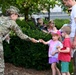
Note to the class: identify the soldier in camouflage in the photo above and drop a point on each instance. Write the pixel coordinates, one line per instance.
(6, 25)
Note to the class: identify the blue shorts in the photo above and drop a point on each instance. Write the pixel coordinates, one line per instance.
(64, 66)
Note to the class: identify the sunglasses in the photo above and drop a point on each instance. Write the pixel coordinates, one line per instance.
(62, 32)
(52, 23)
(69, 10)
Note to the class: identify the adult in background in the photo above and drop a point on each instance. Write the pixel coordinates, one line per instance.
(6, 25)
(41, 26)
(72, 4)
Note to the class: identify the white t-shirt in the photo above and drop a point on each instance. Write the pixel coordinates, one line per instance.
(73, 24)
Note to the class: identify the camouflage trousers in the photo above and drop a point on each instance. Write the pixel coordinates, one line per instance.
(74, 59)
(1, 58)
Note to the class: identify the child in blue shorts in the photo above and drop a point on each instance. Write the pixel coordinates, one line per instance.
(65, 53)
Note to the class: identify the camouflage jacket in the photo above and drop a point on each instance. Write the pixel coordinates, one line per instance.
(6, 25)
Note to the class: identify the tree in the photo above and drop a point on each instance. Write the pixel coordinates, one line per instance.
(50, 4)
(29, 7)
(6, 3)
(33, 6)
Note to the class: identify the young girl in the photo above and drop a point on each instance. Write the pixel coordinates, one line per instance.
(54, 43)
(51, 27)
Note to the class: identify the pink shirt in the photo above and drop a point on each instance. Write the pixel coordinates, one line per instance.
(53, 47)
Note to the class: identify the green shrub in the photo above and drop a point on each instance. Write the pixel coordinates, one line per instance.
(59, 22)
(25, 53)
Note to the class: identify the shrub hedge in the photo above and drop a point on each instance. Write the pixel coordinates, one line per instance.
(28, 54)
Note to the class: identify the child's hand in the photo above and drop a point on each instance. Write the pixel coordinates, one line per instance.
(53, 53)
(58, 47)
(41, 40)
(59, 50)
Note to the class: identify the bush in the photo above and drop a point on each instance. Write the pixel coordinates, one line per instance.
(28, 54)
(59, 22)
(24, 53)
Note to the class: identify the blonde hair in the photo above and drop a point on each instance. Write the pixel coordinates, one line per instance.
(50, 22)
(66, 29)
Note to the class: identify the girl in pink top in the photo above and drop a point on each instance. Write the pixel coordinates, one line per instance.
(53, 44)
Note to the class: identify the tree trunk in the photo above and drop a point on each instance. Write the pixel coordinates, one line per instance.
(26, 14)
(49, 12)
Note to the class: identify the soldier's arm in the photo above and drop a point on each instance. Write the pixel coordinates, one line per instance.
(19, 32)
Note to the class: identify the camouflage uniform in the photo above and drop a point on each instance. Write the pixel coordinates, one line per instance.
(5, 27)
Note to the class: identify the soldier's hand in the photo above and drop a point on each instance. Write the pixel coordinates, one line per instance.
(34, 40)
